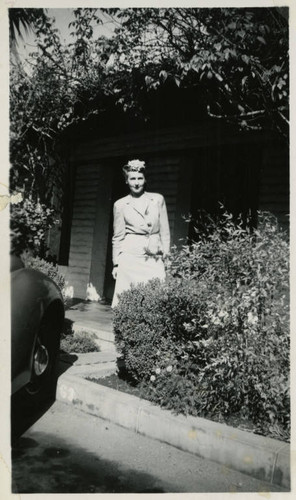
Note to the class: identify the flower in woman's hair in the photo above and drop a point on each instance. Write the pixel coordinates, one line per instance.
(169, 368)
(152, 378)
(136, 165)
(157, 371)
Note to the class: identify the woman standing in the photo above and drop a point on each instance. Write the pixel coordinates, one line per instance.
(141, 235)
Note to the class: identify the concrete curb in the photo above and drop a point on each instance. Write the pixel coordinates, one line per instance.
(263, 458)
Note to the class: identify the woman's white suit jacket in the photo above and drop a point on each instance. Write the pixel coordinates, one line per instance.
(135, 230)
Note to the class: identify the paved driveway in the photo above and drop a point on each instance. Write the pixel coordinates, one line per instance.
(68, 451)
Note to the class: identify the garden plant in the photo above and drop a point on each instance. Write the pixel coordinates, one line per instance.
(82, 341)
(213, 339)
(30, 221)
(49, 268)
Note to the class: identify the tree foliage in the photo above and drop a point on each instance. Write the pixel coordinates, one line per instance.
(22, 19)
(236, 59)
(51, 90)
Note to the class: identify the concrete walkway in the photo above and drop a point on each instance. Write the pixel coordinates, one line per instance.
(260, 457)
(96, 318)
(92, 315)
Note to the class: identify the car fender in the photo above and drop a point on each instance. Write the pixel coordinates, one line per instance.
(32, 293)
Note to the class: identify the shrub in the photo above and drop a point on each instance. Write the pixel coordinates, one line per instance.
(213, 340)
(79, 342)
(47, 268)
(29, 222)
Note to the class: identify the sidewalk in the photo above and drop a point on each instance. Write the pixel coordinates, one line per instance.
(263, 458)
(96, 318)
(92, 315)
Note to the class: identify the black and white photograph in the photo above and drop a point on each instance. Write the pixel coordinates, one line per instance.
(147, 200)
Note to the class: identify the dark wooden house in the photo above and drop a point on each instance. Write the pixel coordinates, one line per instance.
(194, 161)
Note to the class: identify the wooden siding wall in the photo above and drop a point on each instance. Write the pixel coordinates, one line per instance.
(163, 177)
(172, 177)
(82, 231)
(156, 141)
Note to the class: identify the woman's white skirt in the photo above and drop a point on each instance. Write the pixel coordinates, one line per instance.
(134, 269)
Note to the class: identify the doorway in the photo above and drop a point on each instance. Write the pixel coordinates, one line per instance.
(119, 189)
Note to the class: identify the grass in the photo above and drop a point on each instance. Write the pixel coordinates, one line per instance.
(120, 381)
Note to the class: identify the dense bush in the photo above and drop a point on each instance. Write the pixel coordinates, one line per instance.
(213, 340)
(47, 268)
(30, 221)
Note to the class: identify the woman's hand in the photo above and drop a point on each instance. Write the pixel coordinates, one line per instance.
(114, 272)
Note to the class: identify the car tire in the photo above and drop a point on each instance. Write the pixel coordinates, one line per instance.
(45, 360)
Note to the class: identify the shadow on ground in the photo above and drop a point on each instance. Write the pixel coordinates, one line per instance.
(50, 465)
(24, 413)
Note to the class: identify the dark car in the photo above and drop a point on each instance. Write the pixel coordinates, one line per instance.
(37, 317)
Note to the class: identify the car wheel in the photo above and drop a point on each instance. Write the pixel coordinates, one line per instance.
(44, 361)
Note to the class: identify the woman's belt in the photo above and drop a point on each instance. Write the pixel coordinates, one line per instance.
(142, 244)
